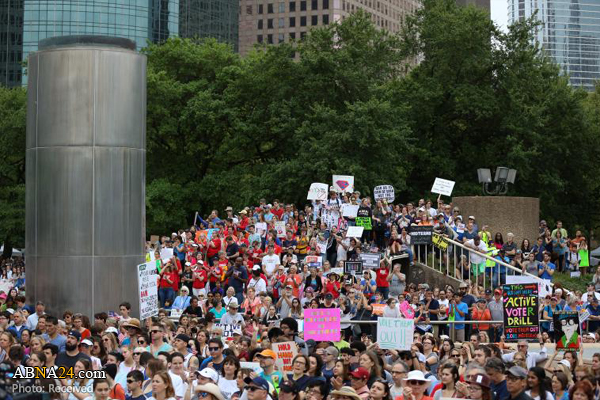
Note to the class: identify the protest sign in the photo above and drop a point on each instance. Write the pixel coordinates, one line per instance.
(442, 186)
(336, 270)
(420, 234)
(543, 285)
(261, 228)
(166, 253)
(313, 261)
(353, 267)
(229, 329)
(395, 333)
(343, 183)
(349, 210)
(584, 315)
(378, 309)
(148, 289)
(317, 191)
(355, 231)
(365, 222)
(254, 366)
(567, 331)
(285, 351)
(370, 260)
(330, 218)
(322, 324)
(322, 245)
(439, 241)
(280, 228)
(521, 316)
(154, 239)
(384, 192)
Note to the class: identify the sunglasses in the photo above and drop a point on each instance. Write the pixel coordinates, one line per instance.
(137, 354)
(214, 348)
(252, 388)
(155, 331)
(418, 383)
(130, 381)
(203, 394)
(140, 342)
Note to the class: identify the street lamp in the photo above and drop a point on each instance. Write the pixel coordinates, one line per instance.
(502, 178)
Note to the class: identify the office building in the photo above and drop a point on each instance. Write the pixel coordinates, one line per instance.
(210, 19)
(570, 35)
(11, 42)
(277, 21)
(485, 4)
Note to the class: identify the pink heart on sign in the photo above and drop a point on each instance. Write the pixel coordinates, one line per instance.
(342, 184)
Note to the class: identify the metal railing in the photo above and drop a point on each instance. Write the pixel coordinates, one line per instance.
(447, 262)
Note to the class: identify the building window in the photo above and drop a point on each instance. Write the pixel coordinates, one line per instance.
(325, 4)
(281, 38)
(292, 35)
(314, 20)
(260, 8)
(314, 4)
(292, 6)
(281, 22)
(302, 35)
(259, 38)
(292, 22)
(270, 39)
(302, 21)
(303, 6)
(325, 19)
(249, 10)
(270, 23)
(270, 8)
(260, 24)
(281, 7)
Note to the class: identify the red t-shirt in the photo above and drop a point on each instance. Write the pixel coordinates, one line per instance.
(213, 251)
(278, 211)
(200, 284)
(382, 274)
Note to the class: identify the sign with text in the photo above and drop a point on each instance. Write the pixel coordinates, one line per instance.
(443, 186)
(543, 285)
(280, 228)
(420, 234)
(378, 309)
(261, 228)
(355, 231)
(439, 241)
(229, 329)
(313, 261)
(521, 316)
(148, 289)
(395, 333)
(384, 192)
(350, 210)
(365, 222)
(286, 351)
(322, 324)
(370, 260)
(343, 183)
(567, 331)
(317, 191)
(353, 267)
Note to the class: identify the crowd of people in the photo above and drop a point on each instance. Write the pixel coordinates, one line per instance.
(243, 270)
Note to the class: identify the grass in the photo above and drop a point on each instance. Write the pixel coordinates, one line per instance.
(573, 284)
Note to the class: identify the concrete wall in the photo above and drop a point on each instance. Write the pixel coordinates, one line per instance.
(519, 215)
(421, 274)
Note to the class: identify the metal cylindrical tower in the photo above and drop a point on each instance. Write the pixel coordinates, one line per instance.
(85, 198)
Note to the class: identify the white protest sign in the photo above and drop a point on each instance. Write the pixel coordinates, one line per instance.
(322, 246)
(350, 210)
(384, 192)
(280, 228)
(317, 191)
(176, 313)
(261, 228)
(343, 183)
(395, 333)
(254, 366)
(286, 351)
(442, 186)
(584, 316)
(166, 253)
(355, 231)
(543, 285)
(229, 329)
(330, 218)
(148, 289)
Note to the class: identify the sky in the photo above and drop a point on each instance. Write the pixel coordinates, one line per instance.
(499, 11)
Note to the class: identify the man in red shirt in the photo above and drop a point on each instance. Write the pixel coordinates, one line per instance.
(213, 248)
(277, 209)
(383, 286)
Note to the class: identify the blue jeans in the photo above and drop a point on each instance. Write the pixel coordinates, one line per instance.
(495, 279)
(165, 294)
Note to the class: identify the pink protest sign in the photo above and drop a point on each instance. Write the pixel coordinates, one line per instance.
(322, 324)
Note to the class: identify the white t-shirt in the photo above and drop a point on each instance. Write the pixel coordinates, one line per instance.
(270, 263)
(477, 258)
(178, 384)
(445, 303)
(258, 284)
(227, 387)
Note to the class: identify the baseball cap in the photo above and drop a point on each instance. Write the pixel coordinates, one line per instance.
(488, 291)
(498, 291)
(75, 334)
(258, 381)
(268, 353)
(210, 374)
(360, 373)
(463, 285)
(332, 351)
(481, 380)
(517, 372)
(329, 296)
(112, 329)
(87, 342)
(183, 337)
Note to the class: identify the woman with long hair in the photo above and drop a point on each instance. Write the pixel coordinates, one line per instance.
(228, 380)
(537, 386)
(369, 361)
(6, 342)
(340, 375)
(582, 391)
(98, 349)
(445, 350)
(80, 387)
(449, 376)
(380, 390)
(79, 324)
(480, 388)
(101, 390)
(162, 387)
(202, 347)
(560, 386)
(296, 311)
(596, 364)
(110, 343)
(315, 365)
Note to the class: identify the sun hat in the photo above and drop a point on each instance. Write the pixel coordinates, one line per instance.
(416, 376)
(133, 323)
(346, 391)
(210, 374)
(211, 388)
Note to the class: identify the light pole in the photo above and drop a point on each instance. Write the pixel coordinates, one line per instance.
(499, 186)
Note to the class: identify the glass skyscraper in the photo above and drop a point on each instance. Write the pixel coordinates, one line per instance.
(11, 42)
(570, 35)
(217, 19)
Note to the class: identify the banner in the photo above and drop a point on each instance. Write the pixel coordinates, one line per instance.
(439, 241)
(420, 234)
(261, 228)
(349, 210)
(384, 192)
(313, 261)
(567, 330)
(395, 333)
(343, 183)
(544, 287)
(148, 289)
(280, 228)
(355, 231)
(370, 260)
(229, 329)
(521, 314)
(322, 324)
(365, 222)
(286, 351)
(353, 267)
(442, 186)
(317, 191)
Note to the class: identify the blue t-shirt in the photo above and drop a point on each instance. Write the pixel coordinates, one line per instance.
(464, 308)
(179, 252)
(545, 274)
